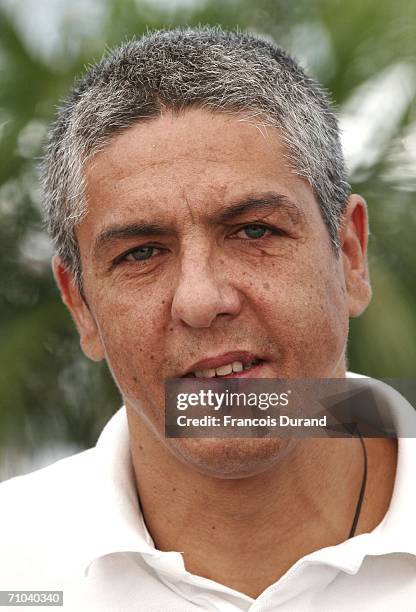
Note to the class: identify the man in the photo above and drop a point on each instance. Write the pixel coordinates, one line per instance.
(197, 198)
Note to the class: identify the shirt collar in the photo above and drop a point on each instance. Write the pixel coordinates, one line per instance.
(115, 522)
(114, 519)
(395, 533)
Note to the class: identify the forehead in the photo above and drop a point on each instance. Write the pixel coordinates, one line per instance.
(189, 164)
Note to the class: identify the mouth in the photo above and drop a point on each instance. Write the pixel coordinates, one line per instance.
(234, 364)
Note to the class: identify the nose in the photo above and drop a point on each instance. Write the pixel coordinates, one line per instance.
(203, 292)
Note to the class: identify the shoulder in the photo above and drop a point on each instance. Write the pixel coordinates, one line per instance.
(54, 489)
(40, 515)
(59, 477)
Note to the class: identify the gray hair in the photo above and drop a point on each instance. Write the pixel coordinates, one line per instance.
(225, 72)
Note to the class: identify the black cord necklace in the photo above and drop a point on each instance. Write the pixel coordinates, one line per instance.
(362, 490)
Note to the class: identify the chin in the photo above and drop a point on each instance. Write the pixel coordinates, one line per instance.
(230, 458)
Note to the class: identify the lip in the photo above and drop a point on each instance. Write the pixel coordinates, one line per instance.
(219, 360)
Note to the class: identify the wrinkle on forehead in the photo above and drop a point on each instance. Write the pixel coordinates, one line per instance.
(167, 135)
(120, 171)
(188, 205)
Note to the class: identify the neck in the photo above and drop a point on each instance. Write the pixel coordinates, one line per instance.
(225, 527)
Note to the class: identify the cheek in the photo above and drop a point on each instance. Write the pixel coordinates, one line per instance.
(304, 308)
(131, 343)
(132, 330)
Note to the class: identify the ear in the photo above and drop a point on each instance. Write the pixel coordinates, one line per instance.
(90, 339)
(353, 241)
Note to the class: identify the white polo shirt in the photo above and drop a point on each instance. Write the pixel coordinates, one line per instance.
(76, 526)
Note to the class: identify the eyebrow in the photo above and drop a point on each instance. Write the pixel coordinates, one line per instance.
(269, 201)
(272, 202)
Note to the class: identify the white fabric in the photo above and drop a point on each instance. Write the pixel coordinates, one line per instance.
(76, 526)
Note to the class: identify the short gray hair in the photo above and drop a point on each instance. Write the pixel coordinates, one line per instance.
(225, 72)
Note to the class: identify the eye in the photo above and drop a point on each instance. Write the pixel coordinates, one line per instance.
(142, 253)
(255, 231)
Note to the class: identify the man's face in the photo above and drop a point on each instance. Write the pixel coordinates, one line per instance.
(199, 241)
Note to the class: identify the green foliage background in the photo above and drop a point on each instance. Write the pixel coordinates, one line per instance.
(49, 392)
